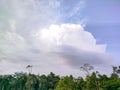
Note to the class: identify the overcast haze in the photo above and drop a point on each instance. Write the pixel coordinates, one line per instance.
(56, 36)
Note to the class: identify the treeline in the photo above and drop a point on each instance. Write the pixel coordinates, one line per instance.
(94, 81)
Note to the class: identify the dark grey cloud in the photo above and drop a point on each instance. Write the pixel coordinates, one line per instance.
(76, 58)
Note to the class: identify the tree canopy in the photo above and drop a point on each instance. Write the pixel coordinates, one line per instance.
(93, 81)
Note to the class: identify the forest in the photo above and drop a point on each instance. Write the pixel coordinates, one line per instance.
(92, 81)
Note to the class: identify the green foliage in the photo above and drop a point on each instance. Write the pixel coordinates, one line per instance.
(114, 76)
(52, 81)
(67, 83)
(113, 83)
(102, 79)
(32, 82)
(95, 81)
(43, 83)
(80, 84)
(92, 82)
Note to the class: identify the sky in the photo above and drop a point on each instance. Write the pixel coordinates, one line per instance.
(59, 35)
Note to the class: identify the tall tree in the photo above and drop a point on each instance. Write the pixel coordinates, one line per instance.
(19, 80)
(116, 69)
(86, 68)
(43, 83)
(29, 67)
(32, 82)
(102, 80)
(52, 80)
(80, 84)
(67, 83)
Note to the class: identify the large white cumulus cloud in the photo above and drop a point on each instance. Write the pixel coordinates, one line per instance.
(72, 43)
(31, 33)
(72, 35)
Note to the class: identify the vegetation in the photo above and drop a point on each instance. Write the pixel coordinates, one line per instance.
(93, 81)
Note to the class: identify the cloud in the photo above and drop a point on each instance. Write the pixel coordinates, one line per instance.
(77, 8)
(74, 11)
(69, 35)
(71, 42)
(31, 33)
(64, 46)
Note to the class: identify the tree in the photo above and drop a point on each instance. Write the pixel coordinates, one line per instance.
(80, 83)
(87, 68)
(92, 82)
(116, 69)
(114, 76)
(67, 83)
(43, 83)
(19, 80)
(29, 67)
(102, 79)
(5, 82)
(52, 80)
(32, 82)
(112, 85)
